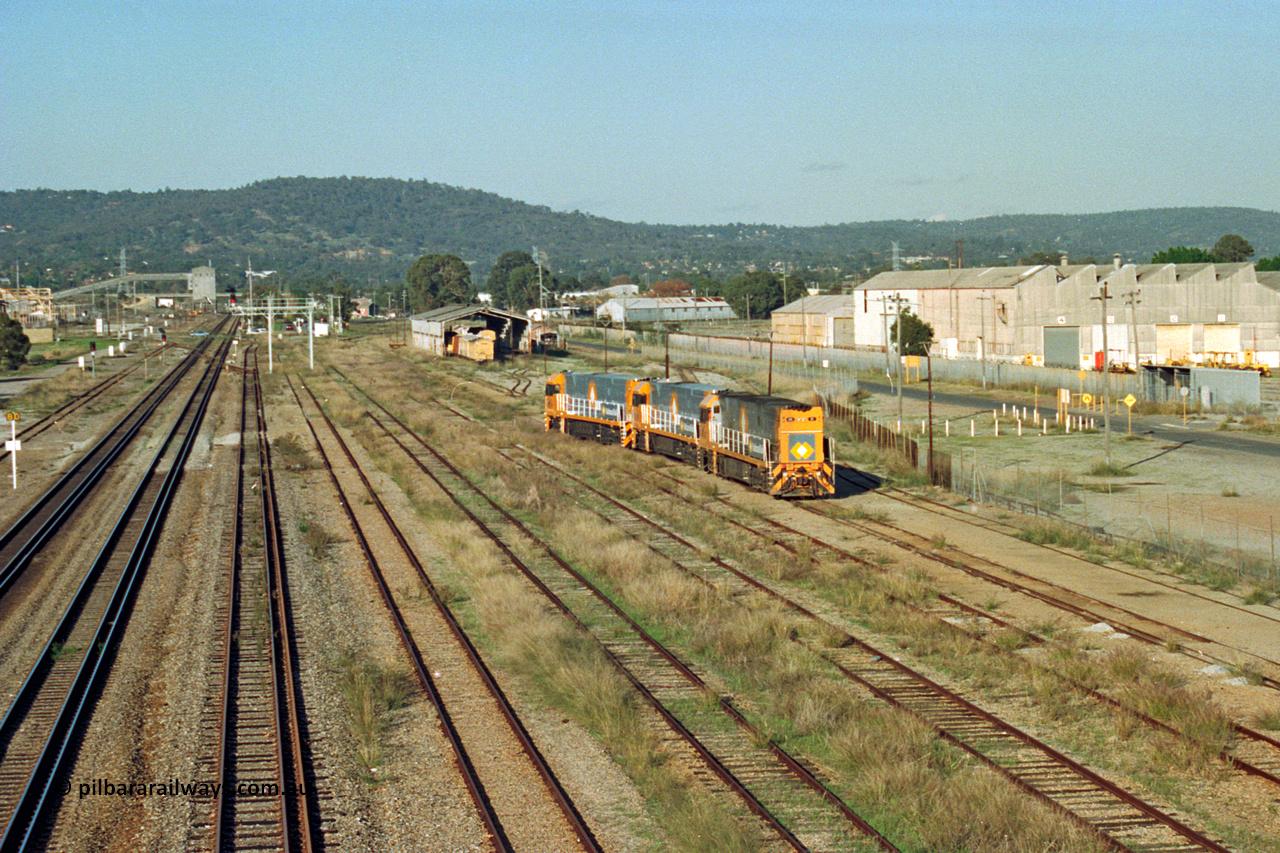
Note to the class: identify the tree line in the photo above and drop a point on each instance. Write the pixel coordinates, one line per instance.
(517, 282)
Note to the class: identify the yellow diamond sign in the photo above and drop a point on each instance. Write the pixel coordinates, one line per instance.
(1129, 400)
(802, 450)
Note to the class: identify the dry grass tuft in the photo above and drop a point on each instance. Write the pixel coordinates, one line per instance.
(291, 453)
(370, 695)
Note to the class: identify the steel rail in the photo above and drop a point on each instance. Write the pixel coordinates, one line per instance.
(1151, 812)
(87, 582)
(228, 633)
(924, 503)
(1240, 729)
(41, 792)
(66, 494)
(290, 778)
(296, 781)
(563, 802)
(47, 422)
(462, 759)
(712, 762)
(792, 765)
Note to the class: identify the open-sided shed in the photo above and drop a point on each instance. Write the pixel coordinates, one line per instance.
(435, 330)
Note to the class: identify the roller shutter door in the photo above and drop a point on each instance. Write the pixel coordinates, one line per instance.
(1062, 346)
(842, 332)
(1173, 342)
(1222, 337)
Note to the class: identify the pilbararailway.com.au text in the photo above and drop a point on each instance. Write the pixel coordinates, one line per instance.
(171, 788)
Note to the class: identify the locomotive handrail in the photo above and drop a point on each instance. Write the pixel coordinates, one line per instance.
(584, 408)
(669, 421)
(744, 444)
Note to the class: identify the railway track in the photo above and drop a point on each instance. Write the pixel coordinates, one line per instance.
(79, 401)
(1125, 821)
(39, 733)
(786, 794)
(1254, 753)
(462, 690)
(253, 741)
(1138, 625)
(44, 518)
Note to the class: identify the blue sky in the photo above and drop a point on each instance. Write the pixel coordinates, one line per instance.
(660, 110)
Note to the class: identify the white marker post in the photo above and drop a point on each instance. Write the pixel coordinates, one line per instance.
(13, 445)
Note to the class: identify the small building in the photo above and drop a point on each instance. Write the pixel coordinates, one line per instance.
(435, 330)
(665, 309)
(823, 320)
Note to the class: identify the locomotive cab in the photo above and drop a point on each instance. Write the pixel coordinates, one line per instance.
(771, 443)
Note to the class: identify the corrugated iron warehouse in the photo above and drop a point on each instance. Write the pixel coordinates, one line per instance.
(1052, 314)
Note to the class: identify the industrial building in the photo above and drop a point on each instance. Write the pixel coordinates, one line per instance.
(665, 309)
(1053, 315)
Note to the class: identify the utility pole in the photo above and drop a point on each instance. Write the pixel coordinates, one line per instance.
(929, 361)
(884, 312)
(804, 327)
(769, 391)
(900, 363)
(897, 300)
(1106, 371)
(982, 339)
(1132, 300)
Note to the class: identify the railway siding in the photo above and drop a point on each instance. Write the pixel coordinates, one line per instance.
(818, 818)
(1090, 798)
(464, 692)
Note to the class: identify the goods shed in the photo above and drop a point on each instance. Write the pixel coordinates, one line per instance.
(665, 309)
(444, 331)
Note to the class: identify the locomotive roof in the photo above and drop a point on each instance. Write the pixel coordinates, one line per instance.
(610, 375)
(765, 399)
(692, 386)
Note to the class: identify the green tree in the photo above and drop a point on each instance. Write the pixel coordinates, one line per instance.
(1268, 264)
(514, 281)
(436, 280)
(1232, 248)
(522, 287)
(14, 343)
(498, 284)
(763, 289)
(1182, 255)
(1048, 259)
(916, 334)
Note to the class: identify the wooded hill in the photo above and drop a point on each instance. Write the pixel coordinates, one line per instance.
(370, 230)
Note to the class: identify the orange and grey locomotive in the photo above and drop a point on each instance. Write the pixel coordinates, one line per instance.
(772, 444)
